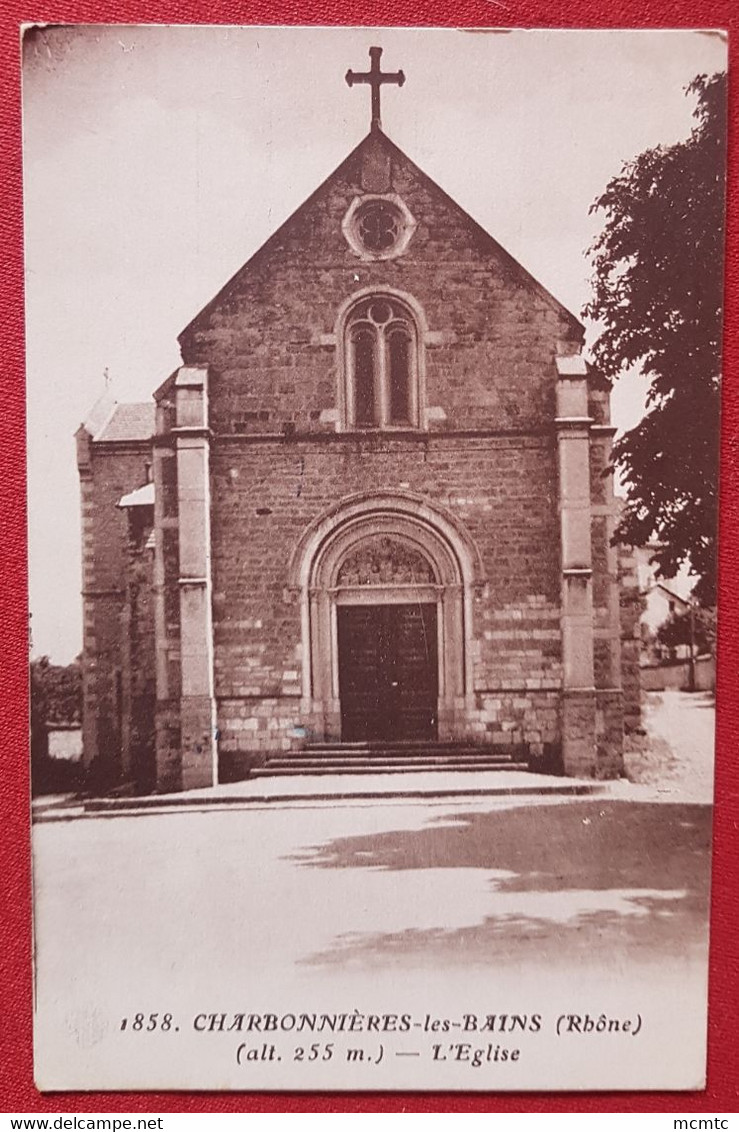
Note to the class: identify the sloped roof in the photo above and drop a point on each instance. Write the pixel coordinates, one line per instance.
(141, 497)
(130, 421)
(373, 137)
(671, 593)
(99, 413)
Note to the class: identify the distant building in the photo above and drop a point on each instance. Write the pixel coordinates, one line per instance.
(665, 665)
(661, 604)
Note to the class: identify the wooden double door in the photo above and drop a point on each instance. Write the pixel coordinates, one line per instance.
(388, 672)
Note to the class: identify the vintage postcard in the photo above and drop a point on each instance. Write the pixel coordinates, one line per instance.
(373, 399)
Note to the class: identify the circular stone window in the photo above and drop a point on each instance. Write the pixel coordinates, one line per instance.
(378, 227)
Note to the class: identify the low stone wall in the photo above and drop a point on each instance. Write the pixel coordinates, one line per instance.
(676, 675)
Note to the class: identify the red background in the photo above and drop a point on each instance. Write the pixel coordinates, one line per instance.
(17, 1091)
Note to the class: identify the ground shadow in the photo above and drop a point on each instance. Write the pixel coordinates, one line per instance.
(649, 863)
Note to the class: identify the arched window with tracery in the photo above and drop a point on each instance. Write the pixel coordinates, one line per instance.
(382, 362)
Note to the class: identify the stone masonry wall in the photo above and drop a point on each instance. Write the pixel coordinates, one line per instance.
(138, 657)
(631, 608)
(114, 469)
(501, 489)
(167, 605)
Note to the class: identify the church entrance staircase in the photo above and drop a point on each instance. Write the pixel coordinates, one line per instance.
(390, 758)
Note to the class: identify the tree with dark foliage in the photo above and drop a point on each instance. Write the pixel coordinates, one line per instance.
(56, 698)
(56, 690)
(39, 710)
(658, 298)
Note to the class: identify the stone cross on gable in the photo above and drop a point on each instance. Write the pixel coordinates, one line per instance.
(375, 79)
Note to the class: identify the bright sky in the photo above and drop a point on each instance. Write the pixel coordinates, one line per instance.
(157, 159)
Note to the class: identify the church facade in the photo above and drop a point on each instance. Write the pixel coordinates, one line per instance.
(370, 514)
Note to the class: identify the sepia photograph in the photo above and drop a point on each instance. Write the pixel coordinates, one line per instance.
(373, 430)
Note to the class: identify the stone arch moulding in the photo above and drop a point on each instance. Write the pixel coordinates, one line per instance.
(456, 569)
(423, 338)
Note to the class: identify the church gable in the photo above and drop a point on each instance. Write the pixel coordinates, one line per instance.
(471, 334)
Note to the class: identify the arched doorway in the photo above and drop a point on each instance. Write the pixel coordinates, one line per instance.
(387, 641)
(386, 585)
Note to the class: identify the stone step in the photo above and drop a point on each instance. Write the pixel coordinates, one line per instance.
(402, 744)
(390, 757)
(416, 750)
(378, 767)
(394, 753)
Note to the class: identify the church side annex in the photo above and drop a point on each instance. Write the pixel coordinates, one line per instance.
(367, 522)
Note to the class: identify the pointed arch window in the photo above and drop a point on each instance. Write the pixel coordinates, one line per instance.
(382, 360)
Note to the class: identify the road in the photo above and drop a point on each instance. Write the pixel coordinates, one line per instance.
(676, 755)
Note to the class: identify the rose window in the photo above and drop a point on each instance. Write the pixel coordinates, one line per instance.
(379, 225)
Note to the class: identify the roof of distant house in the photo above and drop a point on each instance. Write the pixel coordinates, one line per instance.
(132, 421)
(671, 593)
